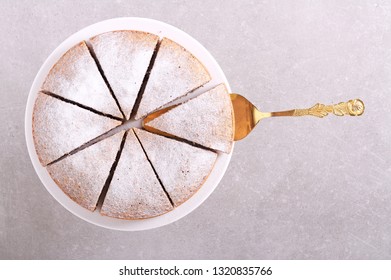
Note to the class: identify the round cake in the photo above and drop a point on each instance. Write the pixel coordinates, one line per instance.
(81, 123)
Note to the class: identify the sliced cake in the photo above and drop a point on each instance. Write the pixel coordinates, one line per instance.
(59, 127)
(82, 176)
(175, 73)
(206, 120)
(124, 57)
(135, 192)
(76, 77)
(181, 168)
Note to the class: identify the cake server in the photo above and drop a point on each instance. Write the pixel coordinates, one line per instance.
(247, 116)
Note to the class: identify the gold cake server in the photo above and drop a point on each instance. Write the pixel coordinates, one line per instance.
(247, 116)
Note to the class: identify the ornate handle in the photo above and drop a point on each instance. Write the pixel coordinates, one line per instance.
(353, 107)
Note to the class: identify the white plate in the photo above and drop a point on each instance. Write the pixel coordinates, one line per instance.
(158, 28)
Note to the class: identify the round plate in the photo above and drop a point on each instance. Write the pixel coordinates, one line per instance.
(163, 30)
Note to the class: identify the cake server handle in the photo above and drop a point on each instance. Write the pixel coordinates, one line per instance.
(353, 107)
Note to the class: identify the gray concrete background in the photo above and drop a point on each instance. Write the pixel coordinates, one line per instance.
(300, 188)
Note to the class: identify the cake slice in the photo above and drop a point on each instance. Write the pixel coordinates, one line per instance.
(76, 77)
(175, 73)
(181, 168)
(206, 120)
(82, 176)
(134, 192)
(124, 57)
(59, 127)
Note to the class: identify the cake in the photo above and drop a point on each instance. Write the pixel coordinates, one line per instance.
(175, 73)
(181, 168)
(206, 120)
(82, 119)
(83, 175)
(76, 77)
(135, 192)
(60, 127)
(124, 57)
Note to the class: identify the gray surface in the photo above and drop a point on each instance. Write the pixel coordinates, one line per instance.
(295, 189)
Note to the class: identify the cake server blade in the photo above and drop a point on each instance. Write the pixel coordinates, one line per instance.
(247, 116)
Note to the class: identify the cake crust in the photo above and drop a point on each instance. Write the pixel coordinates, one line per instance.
(175, 73)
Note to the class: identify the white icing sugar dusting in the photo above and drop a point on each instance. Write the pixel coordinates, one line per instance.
(82, 176)
(134, 192)
(76, 77)
(206, 120)
(175, 73)
(182, 168)
(124, 57)
(59, 127)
